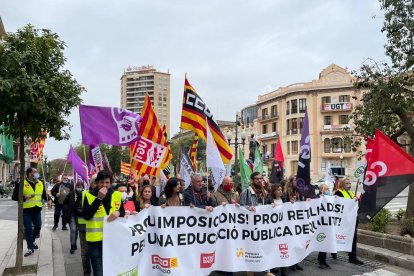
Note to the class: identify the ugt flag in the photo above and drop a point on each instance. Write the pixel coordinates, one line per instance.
(303, 180)
(389, 171)
(108, 125)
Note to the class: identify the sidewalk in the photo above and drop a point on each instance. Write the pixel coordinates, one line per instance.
(48, 259)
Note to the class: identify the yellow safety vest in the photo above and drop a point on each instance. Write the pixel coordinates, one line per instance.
(81, 220)
(36, 200)
(347, 194)
(94, 226)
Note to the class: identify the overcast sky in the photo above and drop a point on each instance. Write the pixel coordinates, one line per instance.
(232, 51)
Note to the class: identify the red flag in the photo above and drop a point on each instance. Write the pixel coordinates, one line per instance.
(389, 171)
(369, 146)
(279, 154)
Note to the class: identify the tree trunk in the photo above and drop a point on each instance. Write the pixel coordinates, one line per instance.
(409, 211)
(19, 246)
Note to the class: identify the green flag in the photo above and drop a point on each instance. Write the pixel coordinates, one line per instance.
(258, 161)
(245, 172)
(6, 147)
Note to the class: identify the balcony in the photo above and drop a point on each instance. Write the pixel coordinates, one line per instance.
(336, 107)
(269, 135)
(336, 128)
(268, 117)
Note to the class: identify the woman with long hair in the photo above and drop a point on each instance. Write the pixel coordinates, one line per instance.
(143, 199)
(172, 194)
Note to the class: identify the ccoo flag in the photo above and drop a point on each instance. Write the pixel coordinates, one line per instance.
(108, 125)
(193, 118)
(303, 180)
(389, 171)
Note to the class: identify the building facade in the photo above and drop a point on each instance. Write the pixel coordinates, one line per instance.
(136, 82)
(329, 102)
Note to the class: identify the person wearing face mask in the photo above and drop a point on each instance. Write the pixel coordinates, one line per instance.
(33, 193)
(225, 193)
(345, 192)
(69, 214)
(98, 203)
(60, 191)
(323, 191)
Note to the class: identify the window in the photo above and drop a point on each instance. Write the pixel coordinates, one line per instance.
(272, 149)
(264, 147)
(294, 167)
(288, 147)
(264, 113)
(302, 105)
(344, 98)
(343, 119)
(326, 100)
(347, 146)
(287, 108)
(294, 147)
(294, 106)
(327, 145)
(336, 145)
(294, 123)
(327, 120)
(301, 123)
(274, 127)
(274, 110)
(264, 128)
(287, 126)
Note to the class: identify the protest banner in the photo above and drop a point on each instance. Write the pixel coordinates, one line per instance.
(193, 241)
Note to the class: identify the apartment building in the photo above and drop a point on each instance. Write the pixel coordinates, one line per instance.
(136, 82)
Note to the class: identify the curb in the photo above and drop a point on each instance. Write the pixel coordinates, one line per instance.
(386, 256)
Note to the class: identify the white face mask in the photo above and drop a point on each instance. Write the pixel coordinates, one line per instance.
(124, 196)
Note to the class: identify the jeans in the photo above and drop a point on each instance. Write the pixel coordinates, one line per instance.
(32, 216)
(95, 254)
(73, 230)
(86, 263)
(58, 212)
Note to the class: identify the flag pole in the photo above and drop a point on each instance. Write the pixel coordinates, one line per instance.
(84, 153)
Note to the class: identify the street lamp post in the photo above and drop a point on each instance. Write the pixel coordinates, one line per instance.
(236, 144)
(341, 157)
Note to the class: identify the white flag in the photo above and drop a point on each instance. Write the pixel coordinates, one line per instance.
(329, 179)
(214, 161)
(186, 168)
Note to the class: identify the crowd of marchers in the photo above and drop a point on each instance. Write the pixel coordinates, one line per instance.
(84, 210)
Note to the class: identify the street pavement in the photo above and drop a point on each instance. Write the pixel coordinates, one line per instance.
(341, 266)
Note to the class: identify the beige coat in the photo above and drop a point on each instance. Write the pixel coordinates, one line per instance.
(223, 196)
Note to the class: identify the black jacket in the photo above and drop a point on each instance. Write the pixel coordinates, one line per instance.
(199, 200)
(90, 210)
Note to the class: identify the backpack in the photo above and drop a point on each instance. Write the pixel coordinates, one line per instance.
(15, 195)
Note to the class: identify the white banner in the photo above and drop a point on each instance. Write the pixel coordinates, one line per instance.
(193, 241)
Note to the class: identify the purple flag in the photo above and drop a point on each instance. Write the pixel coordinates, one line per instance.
(108, 125)
(303, 181)
(77, 164)
(92, 166)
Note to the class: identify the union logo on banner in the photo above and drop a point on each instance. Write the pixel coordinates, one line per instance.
(207, 259)
(149, 153)
(283, 248)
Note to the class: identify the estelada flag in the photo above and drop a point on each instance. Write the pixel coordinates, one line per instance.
(389, 171)
(193, 118)
(150, 153)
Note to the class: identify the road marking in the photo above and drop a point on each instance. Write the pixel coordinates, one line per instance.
(379, 272)
(7, 205)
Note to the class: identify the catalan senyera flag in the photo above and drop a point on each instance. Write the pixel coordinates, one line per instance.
(125, 168)
(150, 153)
(193, 117)
(192, 152)
(36, 148)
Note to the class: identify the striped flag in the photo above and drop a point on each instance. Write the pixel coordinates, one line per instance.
(150, 153)
(125, 168)
(193, 117)
(192, 152)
